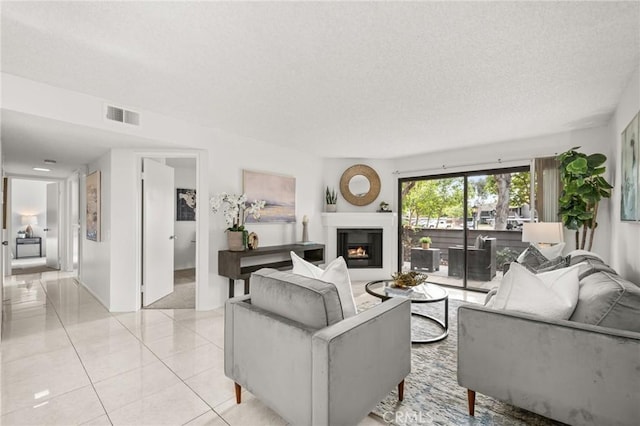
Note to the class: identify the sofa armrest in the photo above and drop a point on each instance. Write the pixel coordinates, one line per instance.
(572, 372)
(270, 356)
(358, 361)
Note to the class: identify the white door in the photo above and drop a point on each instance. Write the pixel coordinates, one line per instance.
(51, 235)
(157, 230)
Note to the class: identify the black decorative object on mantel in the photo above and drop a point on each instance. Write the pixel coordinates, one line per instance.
(384, 207)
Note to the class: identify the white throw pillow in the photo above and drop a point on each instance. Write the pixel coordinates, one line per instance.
(335, 273)
(551, 294)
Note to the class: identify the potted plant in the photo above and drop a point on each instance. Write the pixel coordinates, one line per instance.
(384, 207)
(583, 188)
(236, 211)
(425, 242)
(331, 197)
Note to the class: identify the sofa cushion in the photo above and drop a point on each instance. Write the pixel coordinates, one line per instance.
(335, 273)
(308, 301)
(551, 294)
(607, 300)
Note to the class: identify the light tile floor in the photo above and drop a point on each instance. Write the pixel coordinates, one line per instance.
(66, 360)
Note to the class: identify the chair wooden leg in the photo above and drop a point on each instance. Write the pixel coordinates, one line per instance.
(238, 392)
(401, 391)
(471, 396)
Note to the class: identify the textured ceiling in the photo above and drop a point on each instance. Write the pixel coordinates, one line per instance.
(28, 140)
(357, 79)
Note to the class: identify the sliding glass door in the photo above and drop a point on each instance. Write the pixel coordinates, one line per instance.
(472, 221)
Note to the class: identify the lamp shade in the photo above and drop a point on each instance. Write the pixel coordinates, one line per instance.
(29, 220)
(543, 232)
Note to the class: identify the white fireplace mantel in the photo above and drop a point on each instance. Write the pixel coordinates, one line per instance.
(331, 222)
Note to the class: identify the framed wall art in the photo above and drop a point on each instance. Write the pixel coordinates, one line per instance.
(630, 172)
(93, 206)
(185, 204)
(278, 192)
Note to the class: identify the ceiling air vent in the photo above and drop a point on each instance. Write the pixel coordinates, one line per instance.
(122, 115)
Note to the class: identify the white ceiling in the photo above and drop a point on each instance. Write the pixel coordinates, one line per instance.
(340, 79)
(28, 140)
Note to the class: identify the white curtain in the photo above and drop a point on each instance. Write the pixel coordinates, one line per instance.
(547, 188)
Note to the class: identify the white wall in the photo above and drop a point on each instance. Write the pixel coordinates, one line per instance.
(502, 154)
(518, 153)
(96, 256)
(111, 264)
(624, 236)
(185, 231)
(28, 198)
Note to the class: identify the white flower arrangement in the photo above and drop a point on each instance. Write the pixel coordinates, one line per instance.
(235, 209)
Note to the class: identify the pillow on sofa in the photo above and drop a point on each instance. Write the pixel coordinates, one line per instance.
(335, 273)
(531, 257)
(551, 265)
(549, 252)
(479, 244)
(608, 300)
(551, 294)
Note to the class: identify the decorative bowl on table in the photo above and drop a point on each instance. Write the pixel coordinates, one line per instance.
(408, 279)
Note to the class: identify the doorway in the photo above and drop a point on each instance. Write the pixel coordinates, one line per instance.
(33, 226)
(180, 230)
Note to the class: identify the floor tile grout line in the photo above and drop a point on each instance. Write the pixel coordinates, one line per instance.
(217, 414)
(48, 300)
(170, 369)
(77, 354)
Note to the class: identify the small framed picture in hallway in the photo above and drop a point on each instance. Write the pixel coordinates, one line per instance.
(186, 204)
(93, 206)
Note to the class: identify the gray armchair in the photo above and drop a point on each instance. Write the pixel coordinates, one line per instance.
(289, 344)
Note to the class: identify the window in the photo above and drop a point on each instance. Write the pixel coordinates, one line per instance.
(474, 221)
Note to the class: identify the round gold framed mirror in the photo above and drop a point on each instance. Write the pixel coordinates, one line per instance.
(360, 185)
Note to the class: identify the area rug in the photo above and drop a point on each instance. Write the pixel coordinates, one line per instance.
(31, 270)
(432, 395)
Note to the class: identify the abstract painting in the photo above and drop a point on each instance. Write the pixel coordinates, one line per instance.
(93, 206)
(278, 192)
(630, 172)
(186, 204)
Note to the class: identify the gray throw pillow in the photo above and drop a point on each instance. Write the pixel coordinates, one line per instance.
(532, 258)
(553, 264)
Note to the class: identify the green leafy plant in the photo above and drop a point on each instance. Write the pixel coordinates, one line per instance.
(331, 196)
(583, 188)
(506, 255)
(425, 240)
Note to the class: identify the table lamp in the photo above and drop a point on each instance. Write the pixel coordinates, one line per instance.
(543, 233)
(29, 220)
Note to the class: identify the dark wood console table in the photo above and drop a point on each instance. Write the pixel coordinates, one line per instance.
(230, 262)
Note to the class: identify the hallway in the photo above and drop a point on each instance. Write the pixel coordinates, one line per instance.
(67, 360)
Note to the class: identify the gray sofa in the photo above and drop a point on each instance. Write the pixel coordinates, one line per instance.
(290, 344)
(584, 371)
